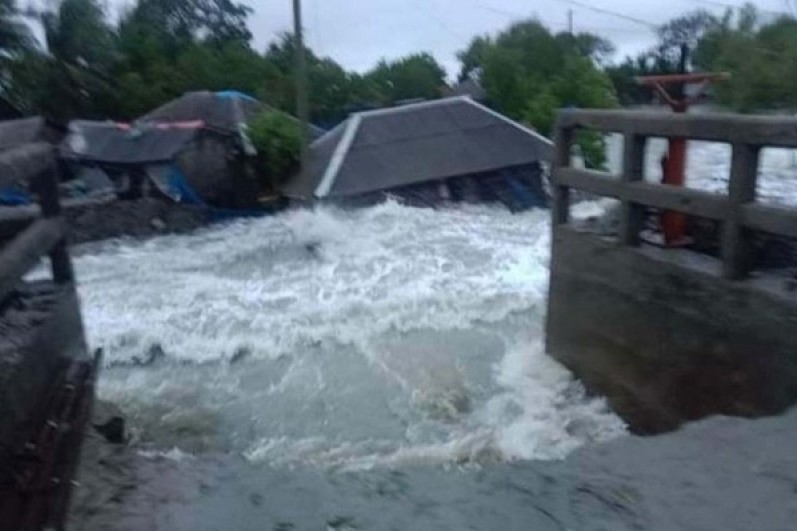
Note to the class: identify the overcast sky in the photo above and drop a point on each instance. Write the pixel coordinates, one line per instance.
(357, 33)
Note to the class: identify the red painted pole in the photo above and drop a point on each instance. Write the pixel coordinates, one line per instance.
(674, 223)
(674, 164)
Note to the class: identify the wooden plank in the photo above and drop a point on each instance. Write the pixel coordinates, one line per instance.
(61, 263)
(769, 218)
(632, 216)
(22, 164)
(775, 131)
(736, 245)
(25, 251)
(14, 220)
(594, 182)
(686, 200)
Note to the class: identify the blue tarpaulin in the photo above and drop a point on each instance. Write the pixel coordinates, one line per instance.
(182, 192)
(234, 95)
(14, 197)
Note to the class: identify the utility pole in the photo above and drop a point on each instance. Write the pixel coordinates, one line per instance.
(302, 105)
(570, 21)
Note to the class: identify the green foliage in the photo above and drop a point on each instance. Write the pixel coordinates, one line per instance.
(15, 35)
(277, 138)
(762, 60)
(417, 76)
(530, 73)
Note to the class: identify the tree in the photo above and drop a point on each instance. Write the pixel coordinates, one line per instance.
(73, 79)
(176, 22)
(15, 35)
(680, 36)
(762, 60)
(277, 138)
(680, 47)
(417, 76)
(530, 73)
(472, 57)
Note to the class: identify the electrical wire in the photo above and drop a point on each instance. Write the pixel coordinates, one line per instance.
(611, 13)
(726, 5)
(419, 4)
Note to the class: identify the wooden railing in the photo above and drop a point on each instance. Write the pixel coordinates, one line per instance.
(737, 211)
(30, 238)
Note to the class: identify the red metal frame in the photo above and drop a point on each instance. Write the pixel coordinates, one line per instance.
(674, 164)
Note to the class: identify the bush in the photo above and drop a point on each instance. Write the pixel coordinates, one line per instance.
(278, 140)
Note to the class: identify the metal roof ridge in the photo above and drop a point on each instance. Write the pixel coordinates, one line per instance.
(510, 121)
(409, 107)
(338, 157)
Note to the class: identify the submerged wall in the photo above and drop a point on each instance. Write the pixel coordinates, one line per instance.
(665, 337)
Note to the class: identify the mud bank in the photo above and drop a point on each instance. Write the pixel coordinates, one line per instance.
(92, 221)
(718, 474)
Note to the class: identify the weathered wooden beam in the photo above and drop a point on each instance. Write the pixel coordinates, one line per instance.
(685, 200)
(593, 182)
(770, 218)
(775, 131)
(736, 248)
(24, 163)
(25, 251)
(14, 220)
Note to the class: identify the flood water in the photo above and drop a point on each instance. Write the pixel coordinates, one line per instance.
(378, 337)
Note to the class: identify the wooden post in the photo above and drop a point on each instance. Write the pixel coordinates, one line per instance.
(561, 194)
(302, 103)
(632, 215)
(51, 208)
(736, 252)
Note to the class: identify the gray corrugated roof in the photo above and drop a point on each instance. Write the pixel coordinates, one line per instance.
(389, 148)
(218, 112)
(222, 111)
(14, 133)
(106, 142)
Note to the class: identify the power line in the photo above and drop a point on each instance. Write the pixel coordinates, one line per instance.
(497, 11)
(726, 5)
(419, 4)
(611, 13)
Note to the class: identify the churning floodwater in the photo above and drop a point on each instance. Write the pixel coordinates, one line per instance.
(374, 337)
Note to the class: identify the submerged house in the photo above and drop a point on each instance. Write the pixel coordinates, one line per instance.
(192, 149)
(23, 134)
(449, 149)
(184, 161)
(223, 111)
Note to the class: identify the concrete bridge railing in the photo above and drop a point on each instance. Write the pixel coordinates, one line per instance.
(736, 211)
(670, 335)
(31, 238)
(46, 375)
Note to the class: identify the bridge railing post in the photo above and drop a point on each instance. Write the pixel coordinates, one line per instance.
(561, 194)
(632, 215)
(51, 208)
(736, 248)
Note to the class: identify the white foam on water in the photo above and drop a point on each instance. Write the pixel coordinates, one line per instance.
(372, 337)
(708, 168)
